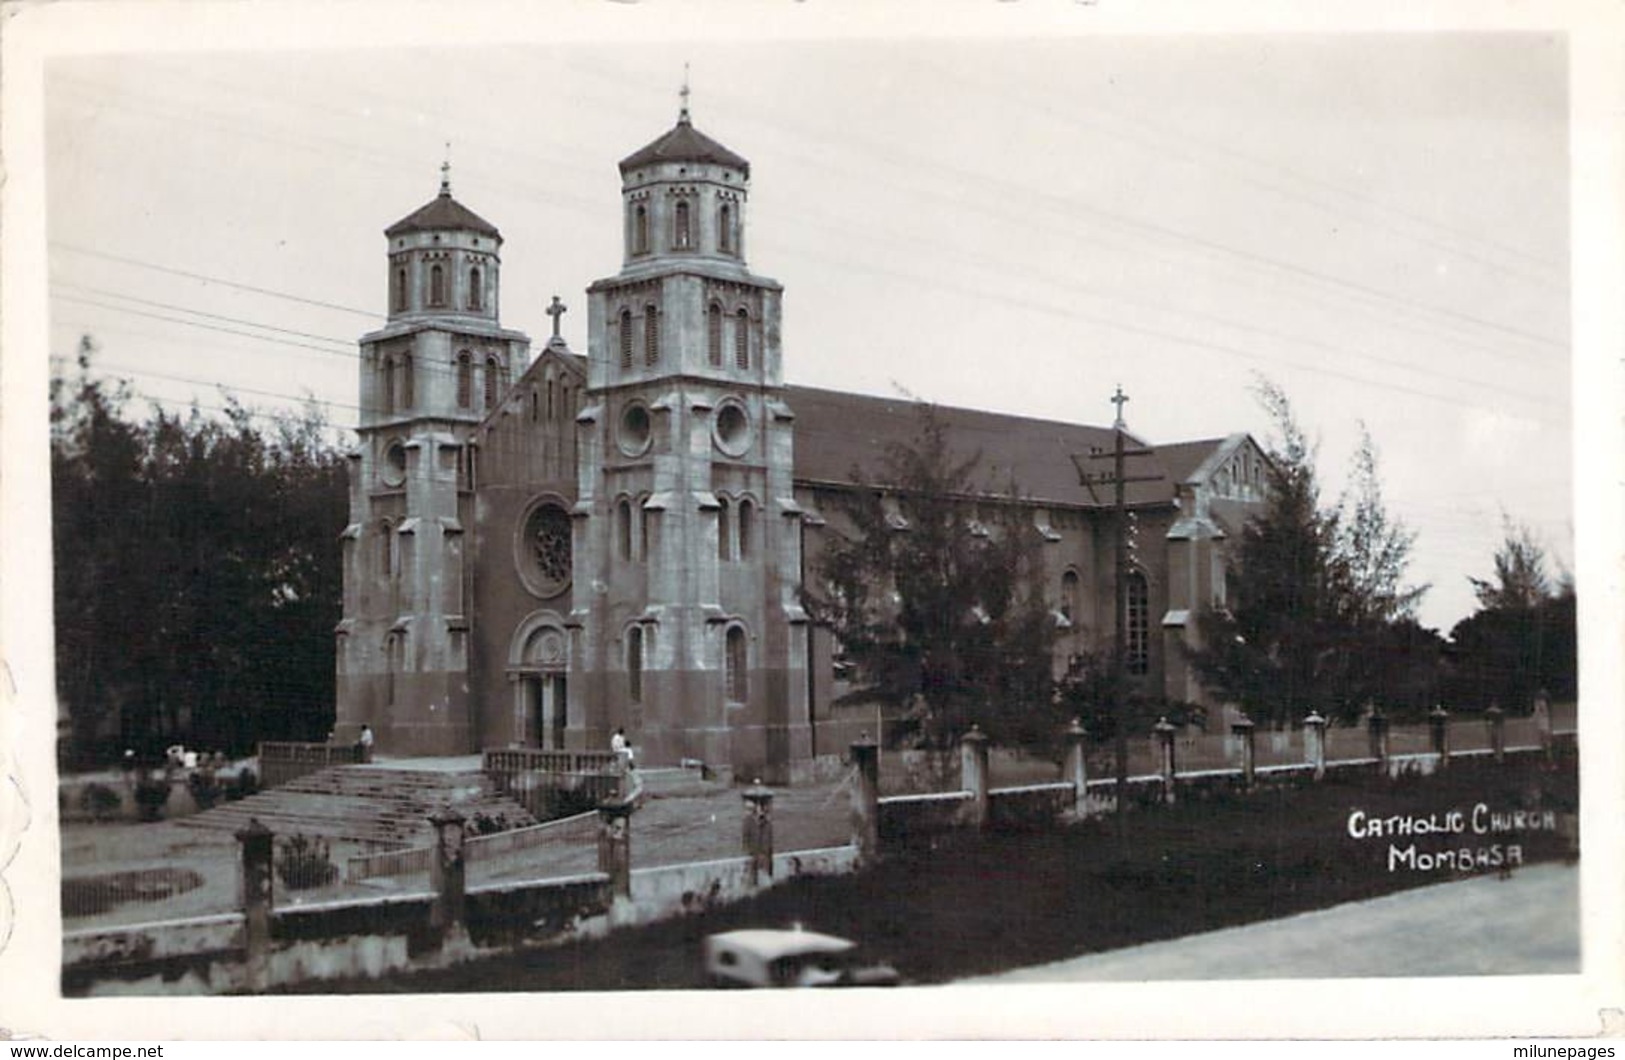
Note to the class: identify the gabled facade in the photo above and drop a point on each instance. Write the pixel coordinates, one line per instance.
(542, 551)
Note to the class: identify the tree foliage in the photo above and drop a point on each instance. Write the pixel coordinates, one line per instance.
(1522, 640)
(197, 569)
(934, 589)
(1319, 616)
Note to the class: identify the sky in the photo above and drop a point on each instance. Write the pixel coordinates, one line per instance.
(1377, 223)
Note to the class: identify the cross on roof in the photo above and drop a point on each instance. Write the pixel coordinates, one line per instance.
(445, 171)
(682, 115)
(1119, 399)
(556, 310)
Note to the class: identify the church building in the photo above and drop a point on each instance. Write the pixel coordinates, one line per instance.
(545, 548)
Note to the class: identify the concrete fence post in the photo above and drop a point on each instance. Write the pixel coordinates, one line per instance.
(759, 832)
(1377, 732)
(256, 842)
(1439, 734)
(1498, 732)
(1314, 743)
(447, 876)
(1164, 735)
(866, 798)
(1075, 767)
(615, 846)
(1244, 730)
(973, 774)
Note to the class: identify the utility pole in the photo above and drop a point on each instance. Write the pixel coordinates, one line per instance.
(1120, 580)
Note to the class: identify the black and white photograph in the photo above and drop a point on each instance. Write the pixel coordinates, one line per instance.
(1053, 519)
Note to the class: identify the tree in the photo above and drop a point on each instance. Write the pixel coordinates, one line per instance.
(933, 587)
(197, 569)
(1316, 593)
(1522, 640)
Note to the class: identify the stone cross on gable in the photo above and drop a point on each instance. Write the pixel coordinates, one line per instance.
(1119, 399)
(556, 310)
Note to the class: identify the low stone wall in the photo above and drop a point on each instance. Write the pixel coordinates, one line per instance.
(333, 940)
(395, 933)
(1030, 806)
(907, 816)
(681, 890)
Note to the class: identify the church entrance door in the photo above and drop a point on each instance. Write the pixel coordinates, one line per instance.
(546, 697)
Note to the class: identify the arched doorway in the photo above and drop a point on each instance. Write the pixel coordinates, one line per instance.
(538, 667)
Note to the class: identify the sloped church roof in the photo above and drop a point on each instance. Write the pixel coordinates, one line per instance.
(443, 212)
(684, 143)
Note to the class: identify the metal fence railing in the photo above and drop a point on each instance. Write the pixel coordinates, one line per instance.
(85, 896)
(511, 846)
(302, 866)
(282, 762)
(547, 783)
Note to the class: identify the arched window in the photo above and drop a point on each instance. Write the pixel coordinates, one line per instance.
(552, 412)
(725, 230)
(634, 663)
(651, 335)
(388, 402)
(535, 406)
(408, 387)
(737, 690)
(626, 338)
(437, 285)
(747, 516)
(713, 335)
(724, 532)
(474, 299)
(643, 532)
(1069, 596)
(397, 295)
(1137, 604)
(493, 381)
(465, 380)
(680, 226)
(742, 339)
(623, 528)
(640, 229)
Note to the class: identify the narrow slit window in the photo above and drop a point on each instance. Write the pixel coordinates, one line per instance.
(724, 534)
(747, 516)
(742, 339)
(651, 335)
(725, 235)
(475, 300)
(713, 335)
(437, 285)
(465, 380)
(626, 338)
(634, 663)
(493, 381)
(737, 690)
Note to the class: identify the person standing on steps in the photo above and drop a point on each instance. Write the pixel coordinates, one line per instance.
(618, 744)
(364, 741)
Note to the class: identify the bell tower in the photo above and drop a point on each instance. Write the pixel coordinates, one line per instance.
(693, 638)
(428, 378)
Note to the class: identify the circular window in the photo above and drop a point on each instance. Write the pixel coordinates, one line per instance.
(544, 549)
(394, 468)
(732, 430)
(635, 430)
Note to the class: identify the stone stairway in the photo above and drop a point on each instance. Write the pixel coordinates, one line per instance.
(387, 805)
